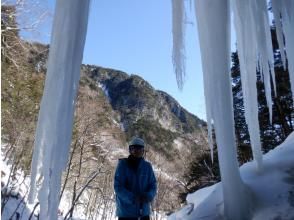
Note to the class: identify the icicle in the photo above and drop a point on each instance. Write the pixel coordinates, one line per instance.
(285, 10)
(54, 129)
(276, 7)
(264, 49)
(178, 12)
(213, 20)
(247, 41)
(178, 54)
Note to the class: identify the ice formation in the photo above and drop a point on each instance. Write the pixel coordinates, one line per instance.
(54, 128)
(283, 11)
(255, 53)
(218, 96)
(178, 54)
(245, 20)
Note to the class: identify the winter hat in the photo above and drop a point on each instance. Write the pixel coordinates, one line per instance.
(137, 141)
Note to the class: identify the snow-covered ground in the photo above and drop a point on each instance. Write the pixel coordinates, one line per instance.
(15, 191)
(272, 190)
(17, 206)
(16, 199)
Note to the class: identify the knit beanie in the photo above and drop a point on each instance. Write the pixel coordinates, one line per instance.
(137, 141)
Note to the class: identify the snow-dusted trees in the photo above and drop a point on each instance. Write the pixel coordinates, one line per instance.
(255, 53)
(88, 181)
(20, 91)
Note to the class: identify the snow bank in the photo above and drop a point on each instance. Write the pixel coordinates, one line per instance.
(273, 189)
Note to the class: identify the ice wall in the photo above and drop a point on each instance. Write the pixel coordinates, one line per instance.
(54, 128)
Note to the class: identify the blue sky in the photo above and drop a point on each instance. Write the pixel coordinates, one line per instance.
(135, 37)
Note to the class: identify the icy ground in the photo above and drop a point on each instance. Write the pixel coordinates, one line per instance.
(273, 190)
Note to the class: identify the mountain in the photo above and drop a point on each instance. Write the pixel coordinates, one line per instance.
(143, 111)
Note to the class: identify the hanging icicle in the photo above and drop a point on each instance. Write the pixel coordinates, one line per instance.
(247, 44)
(215, 57)
(284, 18)
(276, 7)
(178, 30)
(54, 128)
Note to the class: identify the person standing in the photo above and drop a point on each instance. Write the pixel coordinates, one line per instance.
(135, 184)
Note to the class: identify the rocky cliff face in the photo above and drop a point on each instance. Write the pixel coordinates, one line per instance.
(135, 98)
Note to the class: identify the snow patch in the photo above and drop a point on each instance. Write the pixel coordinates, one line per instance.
(105, 90)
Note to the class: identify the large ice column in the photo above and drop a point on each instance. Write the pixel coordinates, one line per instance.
(284, 19)
(54, 128)
(213, 20)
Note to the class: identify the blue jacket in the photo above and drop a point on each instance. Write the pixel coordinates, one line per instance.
(129, 184)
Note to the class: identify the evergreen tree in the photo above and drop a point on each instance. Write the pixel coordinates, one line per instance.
(201, 172)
